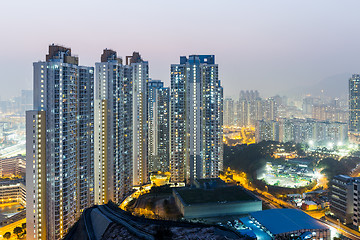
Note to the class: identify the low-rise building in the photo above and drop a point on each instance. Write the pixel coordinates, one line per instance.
(14, 166)
(342, 197)
(214, 199)
(289, 223)
(13, 191)
(356, 203)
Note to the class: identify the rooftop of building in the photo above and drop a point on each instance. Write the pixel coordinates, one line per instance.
(110, 55)
(279, 221)
(10, 182)
(209, 183)
(193, 59)
(345, 179)
(226, 194)
(58, 52)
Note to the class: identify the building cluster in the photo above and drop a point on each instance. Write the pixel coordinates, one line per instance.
(12, 167)
(319, 120)
(248, 109)
(17, 105)
(333, 110)
(94, 133)
(302, 131)
(13, 191)
(344, 199)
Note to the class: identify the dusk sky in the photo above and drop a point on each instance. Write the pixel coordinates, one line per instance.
(269, 45)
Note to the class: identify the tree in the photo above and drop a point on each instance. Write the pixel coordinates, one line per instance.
(17, 231)
(7, 235)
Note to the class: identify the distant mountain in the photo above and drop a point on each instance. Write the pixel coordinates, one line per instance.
(333, 86)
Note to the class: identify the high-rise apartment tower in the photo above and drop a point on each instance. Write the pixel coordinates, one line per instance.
(59, 145)
(158, 122)
(113, 129)
(354, 104)
(196, 129)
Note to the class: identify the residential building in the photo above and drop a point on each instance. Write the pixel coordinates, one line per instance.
(312, 131)
(356, 204)
(26, 101)
(354, 103)
(267, 131)
(139, 78)
(158, 126)
(229, 113)
(113, 130)
(342, 197)
(196, 130)
(59, 145)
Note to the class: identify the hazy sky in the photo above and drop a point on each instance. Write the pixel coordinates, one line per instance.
(269, 45)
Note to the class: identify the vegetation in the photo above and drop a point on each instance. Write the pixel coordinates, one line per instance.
(165, 189)
(332, 167)
(18, 231)
(7, 235)
(250, 158)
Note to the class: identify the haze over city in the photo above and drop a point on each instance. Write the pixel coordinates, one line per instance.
(271, 46)
(203, 119)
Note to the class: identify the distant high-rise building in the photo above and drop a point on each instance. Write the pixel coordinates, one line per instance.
(139, 77)
(354, 103)
(267, 131)
(251, 109)
(196, 119)
(269, 109)
(59, 145)
(26, 101)
(158, 130)
(242, 113)
(113, 130)
(329, 113)
(314, 131)
(229, 116)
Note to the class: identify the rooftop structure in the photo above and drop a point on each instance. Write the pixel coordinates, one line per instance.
(217, 195)
(283, 222)
(212, 199)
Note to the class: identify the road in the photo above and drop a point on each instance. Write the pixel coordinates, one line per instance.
(242, 180)
(340, 230)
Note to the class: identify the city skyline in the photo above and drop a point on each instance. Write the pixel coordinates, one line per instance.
(269, 42)
(162, 119)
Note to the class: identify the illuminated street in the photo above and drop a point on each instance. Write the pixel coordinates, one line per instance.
(245, 135)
